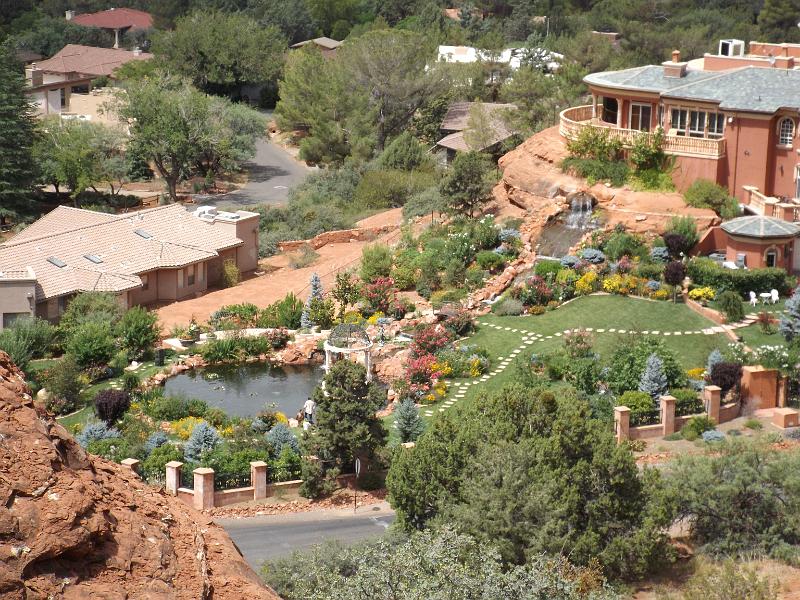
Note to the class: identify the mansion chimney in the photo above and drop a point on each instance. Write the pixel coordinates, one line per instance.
(674, 67)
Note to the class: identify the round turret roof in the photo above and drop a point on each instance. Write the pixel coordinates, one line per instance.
(756, 226)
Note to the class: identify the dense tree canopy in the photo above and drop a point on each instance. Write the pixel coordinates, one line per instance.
(530, 474)
(221, 52)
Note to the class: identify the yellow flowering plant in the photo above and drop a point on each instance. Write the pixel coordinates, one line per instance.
(183, 427)
(586, 284)
(702, 294)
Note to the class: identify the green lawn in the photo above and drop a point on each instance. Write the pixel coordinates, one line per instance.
(596, 312)
(752, 336)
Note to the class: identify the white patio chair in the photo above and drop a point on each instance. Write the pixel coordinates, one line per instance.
(753, 298)
(775, 296)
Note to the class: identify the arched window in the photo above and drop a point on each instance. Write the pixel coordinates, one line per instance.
(785, 132)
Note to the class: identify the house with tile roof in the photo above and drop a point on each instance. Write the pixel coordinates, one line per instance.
(152, 256)
(455, 128)
(732, 118)
(53, 82)
(325, 45)
(117, 20)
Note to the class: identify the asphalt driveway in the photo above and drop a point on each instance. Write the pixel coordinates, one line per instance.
(272, 173)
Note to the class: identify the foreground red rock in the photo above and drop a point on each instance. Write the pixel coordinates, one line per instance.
(73, 525)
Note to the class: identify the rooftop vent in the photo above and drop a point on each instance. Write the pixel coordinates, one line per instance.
(93, 258)
(56, 261)
(142, 233)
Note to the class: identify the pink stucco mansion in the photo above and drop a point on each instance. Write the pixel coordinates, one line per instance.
(732, 118)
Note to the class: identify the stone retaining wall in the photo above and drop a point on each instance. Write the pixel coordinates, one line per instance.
(340, 236)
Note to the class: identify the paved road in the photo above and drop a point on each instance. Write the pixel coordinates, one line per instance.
(271, 537)
(273, 172)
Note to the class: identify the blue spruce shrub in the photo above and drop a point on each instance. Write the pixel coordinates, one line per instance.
(95, 431)
(659, 253)
(713, 435)
(156, 440)
(280, 436)
(570, 261)
(593, 255)
(204, 438)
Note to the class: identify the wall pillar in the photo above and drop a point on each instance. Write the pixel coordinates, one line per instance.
(258, 479)
(132, 464)
(622, 423)
(783, 391)
(203, 488)
(173, 480)
(712, 396)
(668, 414)
(368, 364)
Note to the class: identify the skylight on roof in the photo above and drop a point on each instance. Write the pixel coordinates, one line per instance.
(93, 258)
(142, 233)
(56, 261)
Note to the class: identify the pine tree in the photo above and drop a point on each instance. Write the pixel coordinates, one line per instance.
(408, 422)
(713, 358)
(654, 381)
(790, 322)
(316, 287)
(315, 294)
(204, 438)
(17, 134)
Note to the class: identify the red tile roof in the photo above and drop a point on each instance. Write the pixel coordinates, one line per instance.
(74, 58)
(116, 18)
(127, 245)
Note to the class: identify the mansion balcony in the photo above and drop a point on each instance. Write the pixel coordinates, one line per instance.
(757, 203)
(572, 120)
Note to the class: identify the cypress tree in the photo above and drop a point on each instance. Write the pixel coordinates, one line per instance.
(17, 134)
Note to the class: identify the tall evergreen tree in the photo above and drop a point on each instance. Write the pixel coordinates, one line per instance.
(408, 422)
(17, 134)
(347, 427)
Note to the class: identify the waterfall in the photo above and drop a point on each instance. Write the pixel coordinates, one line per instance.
(580, 214)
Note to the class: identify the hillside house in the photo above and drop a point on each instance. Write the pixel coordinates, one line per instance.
(62, 85)
(147, 257)
(455, 128)
(732, 118)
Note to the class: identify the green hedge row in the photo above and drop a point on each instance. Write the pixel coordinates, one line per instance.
(706, 272)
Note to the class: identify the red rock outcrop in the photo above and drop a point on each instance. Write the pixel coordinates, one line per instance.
(533, 180)
(73, 525)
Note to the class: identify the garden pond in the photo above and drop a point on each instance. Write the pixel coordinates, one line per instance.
(242, 390)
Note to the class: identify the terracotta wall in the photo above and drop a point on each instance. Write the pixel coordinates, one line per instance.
(755, 252)
(759, 387)
(140, 296)
(688, 169)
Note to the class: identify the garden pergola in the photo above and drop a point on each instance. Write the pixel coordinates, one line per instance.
(346, 340)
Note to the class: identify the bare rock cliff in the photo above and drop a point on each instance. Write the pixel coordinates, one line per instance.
(73, 525)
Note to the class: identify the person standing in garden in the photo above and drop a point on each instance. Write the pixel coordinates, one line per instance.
(309, 410)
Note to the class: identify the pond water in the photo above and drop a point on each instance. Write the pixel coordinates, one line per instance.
(567, 229)
(243, 390)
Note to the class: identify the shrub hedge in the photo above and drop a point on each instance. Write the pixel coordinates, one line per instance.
(706, 272)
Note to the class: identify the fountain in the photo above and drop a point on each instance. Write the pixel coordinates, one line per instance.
(567, 228)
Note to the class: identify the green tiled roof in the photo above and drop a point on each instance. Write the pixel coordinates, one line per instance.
(761, 227)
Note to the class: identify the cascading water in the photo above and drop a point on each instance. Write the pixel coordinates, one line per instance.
(580, 214)
(567, 229)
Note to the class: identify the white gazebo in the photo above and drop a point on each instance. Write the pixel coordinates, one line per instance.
(346, 340)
